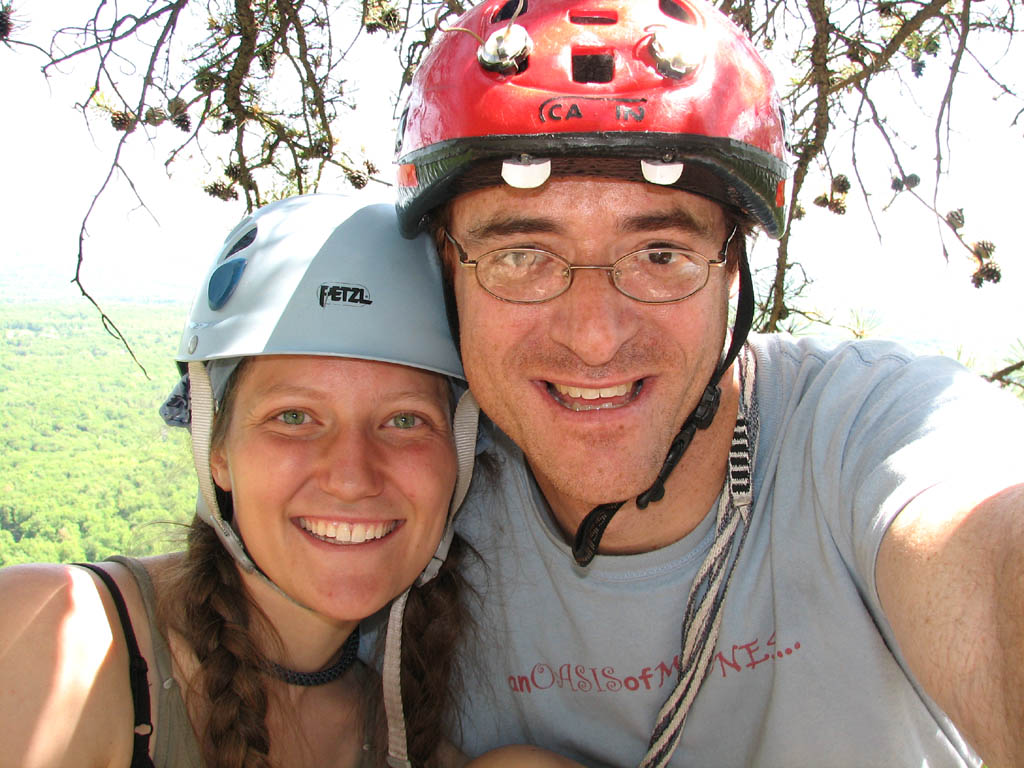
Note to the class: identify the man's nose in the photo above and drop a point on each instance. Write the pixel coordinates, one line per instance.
(593, 319)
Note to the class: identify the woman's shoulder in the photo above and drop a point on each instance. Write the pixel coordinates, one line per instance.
(63, 662)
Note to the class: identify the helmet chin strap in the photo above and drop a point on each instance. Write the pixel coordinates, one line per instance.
(588, 535)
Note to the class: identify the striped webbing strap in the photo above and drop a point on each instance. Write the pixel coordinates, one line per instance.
(703, 616)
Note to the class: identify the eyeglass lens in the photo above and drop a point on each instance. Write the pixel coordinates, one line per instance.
(654, 275)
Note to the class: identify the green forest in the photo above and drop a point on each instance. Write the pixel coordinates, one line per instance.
(87, 466)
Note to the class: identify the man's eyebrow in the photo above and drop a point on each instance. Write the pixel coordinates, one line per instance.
(675, 218)
(500, 226)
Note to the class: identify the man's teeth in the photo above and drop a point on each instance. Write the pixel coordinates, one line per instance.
(593, 394)
(347, 533)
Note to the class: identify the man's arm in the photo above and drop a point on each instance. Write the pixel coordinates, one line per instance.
(950, 575)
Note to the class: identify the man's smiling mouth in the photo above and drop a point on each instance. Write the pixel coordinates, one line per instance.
(593, 399)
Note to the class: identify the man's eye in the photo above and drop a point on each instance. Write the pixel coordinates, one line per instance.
(516, 259)
(294, 418)
(405, 420)
(663, 258)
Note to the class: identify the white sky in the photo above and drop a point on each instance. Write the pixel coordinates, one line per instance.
(52, 166)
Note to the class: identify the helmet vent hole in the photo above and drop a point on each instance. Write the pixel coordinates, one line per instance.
(243, 242)
(508, 11)
(594, 17)
(593, 67)
(676, 10)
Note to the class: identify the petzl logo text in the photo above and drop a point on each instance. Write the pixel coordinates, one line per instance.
(332, 294)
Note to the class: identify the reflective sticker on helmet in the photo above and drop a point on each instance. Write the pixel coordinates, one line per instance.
(223, 282)
(780, 194)
(407, 175)
(525, 174)
(658, 172)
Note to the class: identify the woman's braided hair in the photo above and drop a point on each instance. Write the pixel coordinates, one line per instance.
(217, 623)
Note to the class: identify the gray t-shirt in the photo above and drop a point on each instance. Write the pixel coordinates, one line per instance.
(806, 672)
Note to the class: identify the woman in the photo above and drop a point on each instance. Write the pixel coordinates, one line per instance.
(325, 472)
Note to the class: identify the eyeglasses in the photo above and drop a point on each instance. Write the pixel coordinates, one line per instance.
(650, 276)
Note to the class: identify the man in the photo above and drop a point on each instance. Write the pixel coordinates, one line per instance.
(591, 172)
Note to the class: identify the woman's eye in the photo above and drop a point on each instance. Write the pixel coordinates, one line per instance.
(405, 420)
(294, 418)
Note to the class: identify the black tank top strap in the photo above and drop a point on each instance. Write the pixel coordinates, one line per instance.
(138, 674)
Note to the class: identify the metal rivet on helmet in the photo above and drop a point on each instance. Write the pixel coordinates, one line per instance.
(506, 50)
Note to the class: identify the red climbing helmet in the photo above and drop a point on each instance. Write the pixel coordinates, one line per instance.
(670, 88)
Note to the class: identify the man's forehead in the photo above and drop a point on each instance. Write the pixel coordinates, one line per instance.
(563, 206)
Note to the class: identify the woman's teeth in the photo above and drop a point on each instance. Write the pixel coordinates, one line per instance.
(346, 533)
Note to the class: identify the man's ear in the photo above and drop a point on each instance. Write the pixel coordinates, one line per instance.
(219, 469)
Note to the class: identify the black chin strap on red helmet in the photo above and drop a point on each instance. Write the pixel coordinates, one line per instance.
(588, 535)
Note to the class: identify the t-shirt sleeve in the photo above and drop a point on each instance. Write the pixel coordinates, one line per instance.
(901, 425)
(872, 426)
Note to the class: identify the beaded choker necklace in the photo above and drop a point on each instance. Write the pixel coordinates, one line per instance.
(323, 676)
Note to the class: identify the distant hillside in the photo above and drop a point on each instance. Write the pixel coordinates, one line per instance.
(87, 467)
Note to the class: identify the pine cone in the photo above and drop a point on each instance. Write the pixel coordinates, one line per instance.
(221, 190)
(897, 184)
(837, 206)
(986, 273)
(123, 121)
(840, 184)
(176, 106)
(983, 249)
(154, 116)
(917, 67)
(381, 15)
(911, 180)
(182, 121)
(357, 179)
(821, 201)
(955, 219)
(206, 81)
(6, 23)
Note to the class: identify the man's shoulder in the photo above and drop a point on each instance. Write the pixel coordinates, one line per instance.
(780, 349)
(789, 367)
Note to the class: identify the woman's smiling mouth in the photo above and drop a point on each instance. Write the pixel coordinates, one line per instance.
(345, 533)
